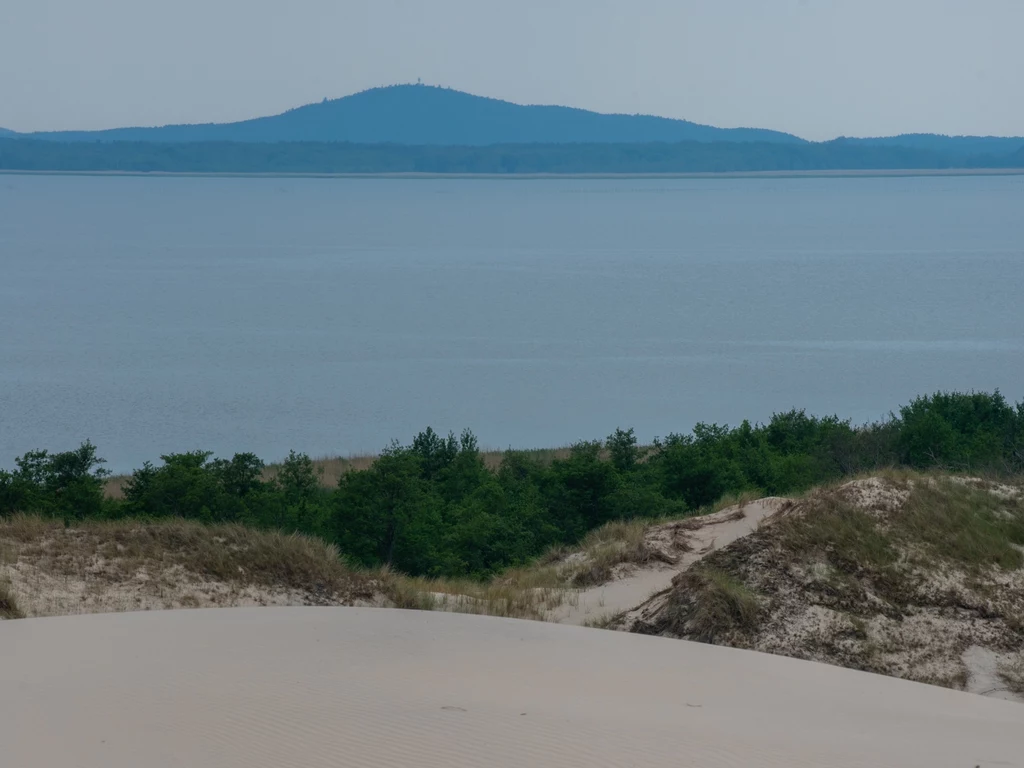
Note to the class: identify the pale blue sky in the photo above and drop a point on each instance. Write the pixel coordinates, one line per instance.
(818, 68)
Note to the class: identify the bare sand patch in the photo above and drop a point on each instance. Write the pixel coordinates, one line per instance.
(313, 687)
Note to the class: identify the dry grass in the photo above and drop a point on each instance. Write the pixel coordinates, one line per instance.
(607, 621)
(740, 500)
(936, 520)
(331, 469)
(1012, 673)
(8, 602)
(607, 548)
(465, 596)
(725, 605)
(531, 591)
(963, 524)
(9, 608)
(100, 566)
(708, 605)
(830, 528)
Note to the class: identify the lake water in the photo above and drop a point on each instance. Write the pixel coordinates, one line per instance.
(332, 315)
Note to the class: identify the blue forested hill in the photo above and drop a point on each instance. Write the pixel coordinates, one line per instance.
(394, 129)
(420, 114)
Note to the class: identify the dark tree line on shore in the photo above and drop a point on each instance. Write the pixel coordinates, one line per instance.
(341, 157)
(433, 507)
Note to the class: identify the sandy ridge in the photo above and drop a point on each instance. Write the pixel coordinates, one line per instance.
(368, 687)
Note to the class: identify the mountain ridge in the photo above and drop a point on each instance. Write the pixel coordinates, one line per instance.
(427, 115)
(423, 114)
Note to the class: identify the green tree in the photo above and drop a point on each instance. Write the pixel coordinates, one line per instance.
(623, 450)
(67, 484)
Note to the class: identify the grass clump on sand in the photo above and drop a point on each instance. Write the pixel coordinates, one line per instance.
(132, 564)
(1012, 674)
(467, 596)
(709, 605)
(603, 549)
(830, 527)
(964, 524)
(8, 602)
(738, 499)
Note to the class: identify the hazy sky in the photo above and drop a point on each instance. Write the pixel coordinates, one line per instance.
(818, 68)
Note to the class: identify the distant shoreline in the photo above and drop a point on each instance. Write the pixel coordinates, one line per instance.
(897, 173)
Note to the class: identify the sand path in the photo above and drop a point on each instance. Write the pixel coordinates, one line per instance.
(318, 687)
(714, 532)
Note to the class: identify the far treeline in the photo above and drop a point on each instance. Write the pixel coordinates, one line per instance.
(434, 508)
(341, 157)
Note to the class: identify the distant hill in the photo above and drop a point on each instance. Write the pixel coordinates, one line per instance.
(419, 128)
(421, 114)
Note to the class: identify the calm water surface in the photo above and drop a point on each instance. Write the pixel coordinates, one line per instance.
(332, 315)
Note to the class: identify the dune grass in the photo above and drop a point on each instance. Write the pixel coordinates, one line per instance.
(8, 602)
(833, 528)
(1012, 673)
(964, 524)
(727, 605)
(163, 557)
(942, 518)
(9, 608)
(530, 591)
(709, 605)
(510, 600)
(612, 545)
(738, 499)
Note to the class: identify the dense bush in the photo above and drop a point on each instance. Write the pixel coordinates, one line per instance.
(68, 485)
(432, 507)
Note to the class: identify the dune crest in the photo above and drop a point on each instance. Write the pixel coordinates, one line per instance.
(365, 687)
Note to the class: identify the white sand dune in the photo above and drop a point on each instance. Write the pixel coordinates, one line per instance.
(335, 687)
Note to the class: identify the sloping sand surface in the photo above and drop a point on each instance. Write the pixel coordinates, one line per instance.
(368, 687)
(702, 535)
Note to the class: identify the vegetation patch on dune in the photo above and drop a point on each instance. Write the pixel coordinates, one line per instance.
(8, 602)
(99, 566)
(553, 580)
(1012, 674)
(708, 604)
(899, 574)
